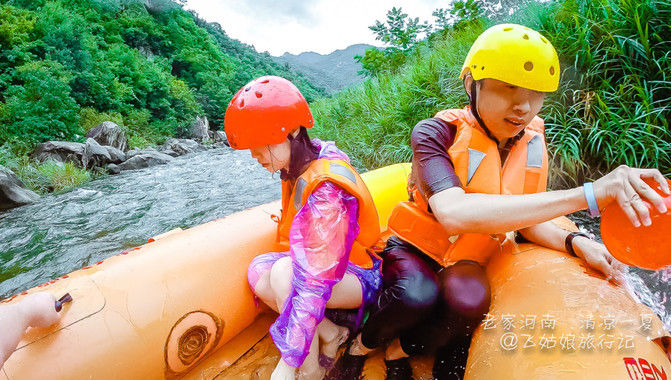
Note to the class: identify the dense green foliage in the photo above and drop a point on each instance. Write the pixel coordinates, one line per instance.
(613, 106)
(148, 65)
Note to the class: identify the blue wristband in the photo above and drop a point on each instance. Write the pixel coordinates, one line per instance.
(591, 200)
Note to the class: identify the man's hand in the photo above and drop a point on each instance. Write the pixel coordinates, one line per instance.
(597, 256)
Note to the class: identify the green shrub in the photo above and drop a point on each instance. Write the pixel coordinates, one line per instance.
(614, 103)
(613, 106)
(62, 176)
(90, 118)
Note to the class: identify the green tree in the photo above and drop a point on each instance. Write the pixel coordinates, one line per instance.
(465, 11)
(39, 107)
(443, 18)
(399, 31)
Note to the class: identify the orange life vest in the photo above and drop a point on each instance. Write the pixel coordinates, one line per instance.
(477, 163)
(295, 194)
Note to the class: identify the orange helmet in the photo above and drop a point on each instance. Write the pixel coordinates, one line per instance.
(265, 112)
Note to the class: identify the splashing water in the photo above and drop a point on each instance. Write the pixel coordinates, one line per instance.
(648, 287)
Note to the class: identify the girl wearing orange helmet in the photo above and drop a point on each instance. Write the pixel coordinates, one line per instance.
(479, 173)
(328, 223)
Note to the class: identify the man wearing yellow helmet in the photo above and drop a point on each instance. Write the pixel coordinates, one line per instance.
(479, 173)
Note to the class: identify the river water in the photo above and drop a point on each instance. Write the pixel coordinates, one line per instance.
(65, 232)
(62, 233)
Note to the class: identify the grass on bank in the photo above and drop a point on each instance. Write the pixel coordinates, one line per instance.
(613, 106)
(47, 177)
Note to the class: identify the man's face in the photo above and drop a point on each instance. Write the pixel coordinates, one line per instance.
(505, 108)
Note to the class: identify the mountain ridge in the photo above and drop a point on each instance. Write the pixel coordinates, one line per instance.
(334, 71)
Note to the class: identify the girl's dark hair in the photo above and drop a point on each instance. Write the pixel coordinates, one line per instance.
(303, 152)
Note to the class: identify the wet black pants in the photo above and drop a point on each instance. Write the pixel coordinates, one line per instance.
(423, 304)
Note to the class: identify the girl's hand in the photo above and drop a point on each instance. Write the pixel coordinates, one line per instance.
(39, 309)
(625, 185)
(597, 256)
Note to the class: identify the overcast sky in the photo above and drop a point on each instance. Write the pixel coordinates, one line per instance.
(296, 26)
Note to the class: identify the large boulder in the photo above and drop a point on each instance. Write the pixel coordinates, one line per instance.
(116, 156)
(219, 137)
(145, 160)
(110, 134)
(134, 152)
(170, 152)
(200, 128)
(13, 192)
(182, 146)
(61, 151)
(113, 169)
(94, 155)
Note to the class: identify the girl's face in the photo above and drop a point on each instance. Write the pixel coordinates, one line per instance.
(505, 108)
(273, 157)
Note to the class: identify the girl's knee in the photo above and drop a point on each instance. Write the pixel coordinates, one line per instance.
(260, 267)
(465, 289)
(261, 285)
(280, 277)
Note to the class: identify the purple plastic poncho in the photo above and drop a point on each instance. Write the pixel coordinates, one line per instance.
(320, 240)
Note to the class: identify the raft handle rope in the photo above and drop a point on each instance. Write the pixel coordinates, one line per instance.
(591, 200)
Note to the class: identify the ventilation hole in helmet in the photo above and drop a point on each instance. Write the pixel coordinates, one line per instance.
(265, 81)
(526, 36)
(475, 66)
(258, 94)
(482, 68)
(552, 70)
(544, 40)
(242, 103)
(508, 29)
(528, 66)
(248, 88)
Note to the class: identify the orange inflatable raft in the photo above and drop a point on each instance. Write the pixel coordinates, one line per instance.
(180, 307)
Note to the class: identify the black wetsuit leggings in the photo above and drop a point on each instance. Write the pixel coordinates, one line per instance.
(423, 304)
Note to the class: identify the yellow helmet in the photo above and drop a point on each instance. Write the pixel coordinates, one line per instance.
(514, 54)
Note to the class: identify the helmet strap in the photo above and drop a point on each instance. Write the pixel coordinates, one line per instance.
(270, 153)
(474, 110)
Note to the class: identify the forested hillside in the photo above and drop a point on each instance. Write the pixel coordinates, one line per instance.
(149, 66)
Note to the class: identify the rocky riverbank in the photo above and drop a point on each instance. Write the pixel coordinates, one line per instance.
(106, 150)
